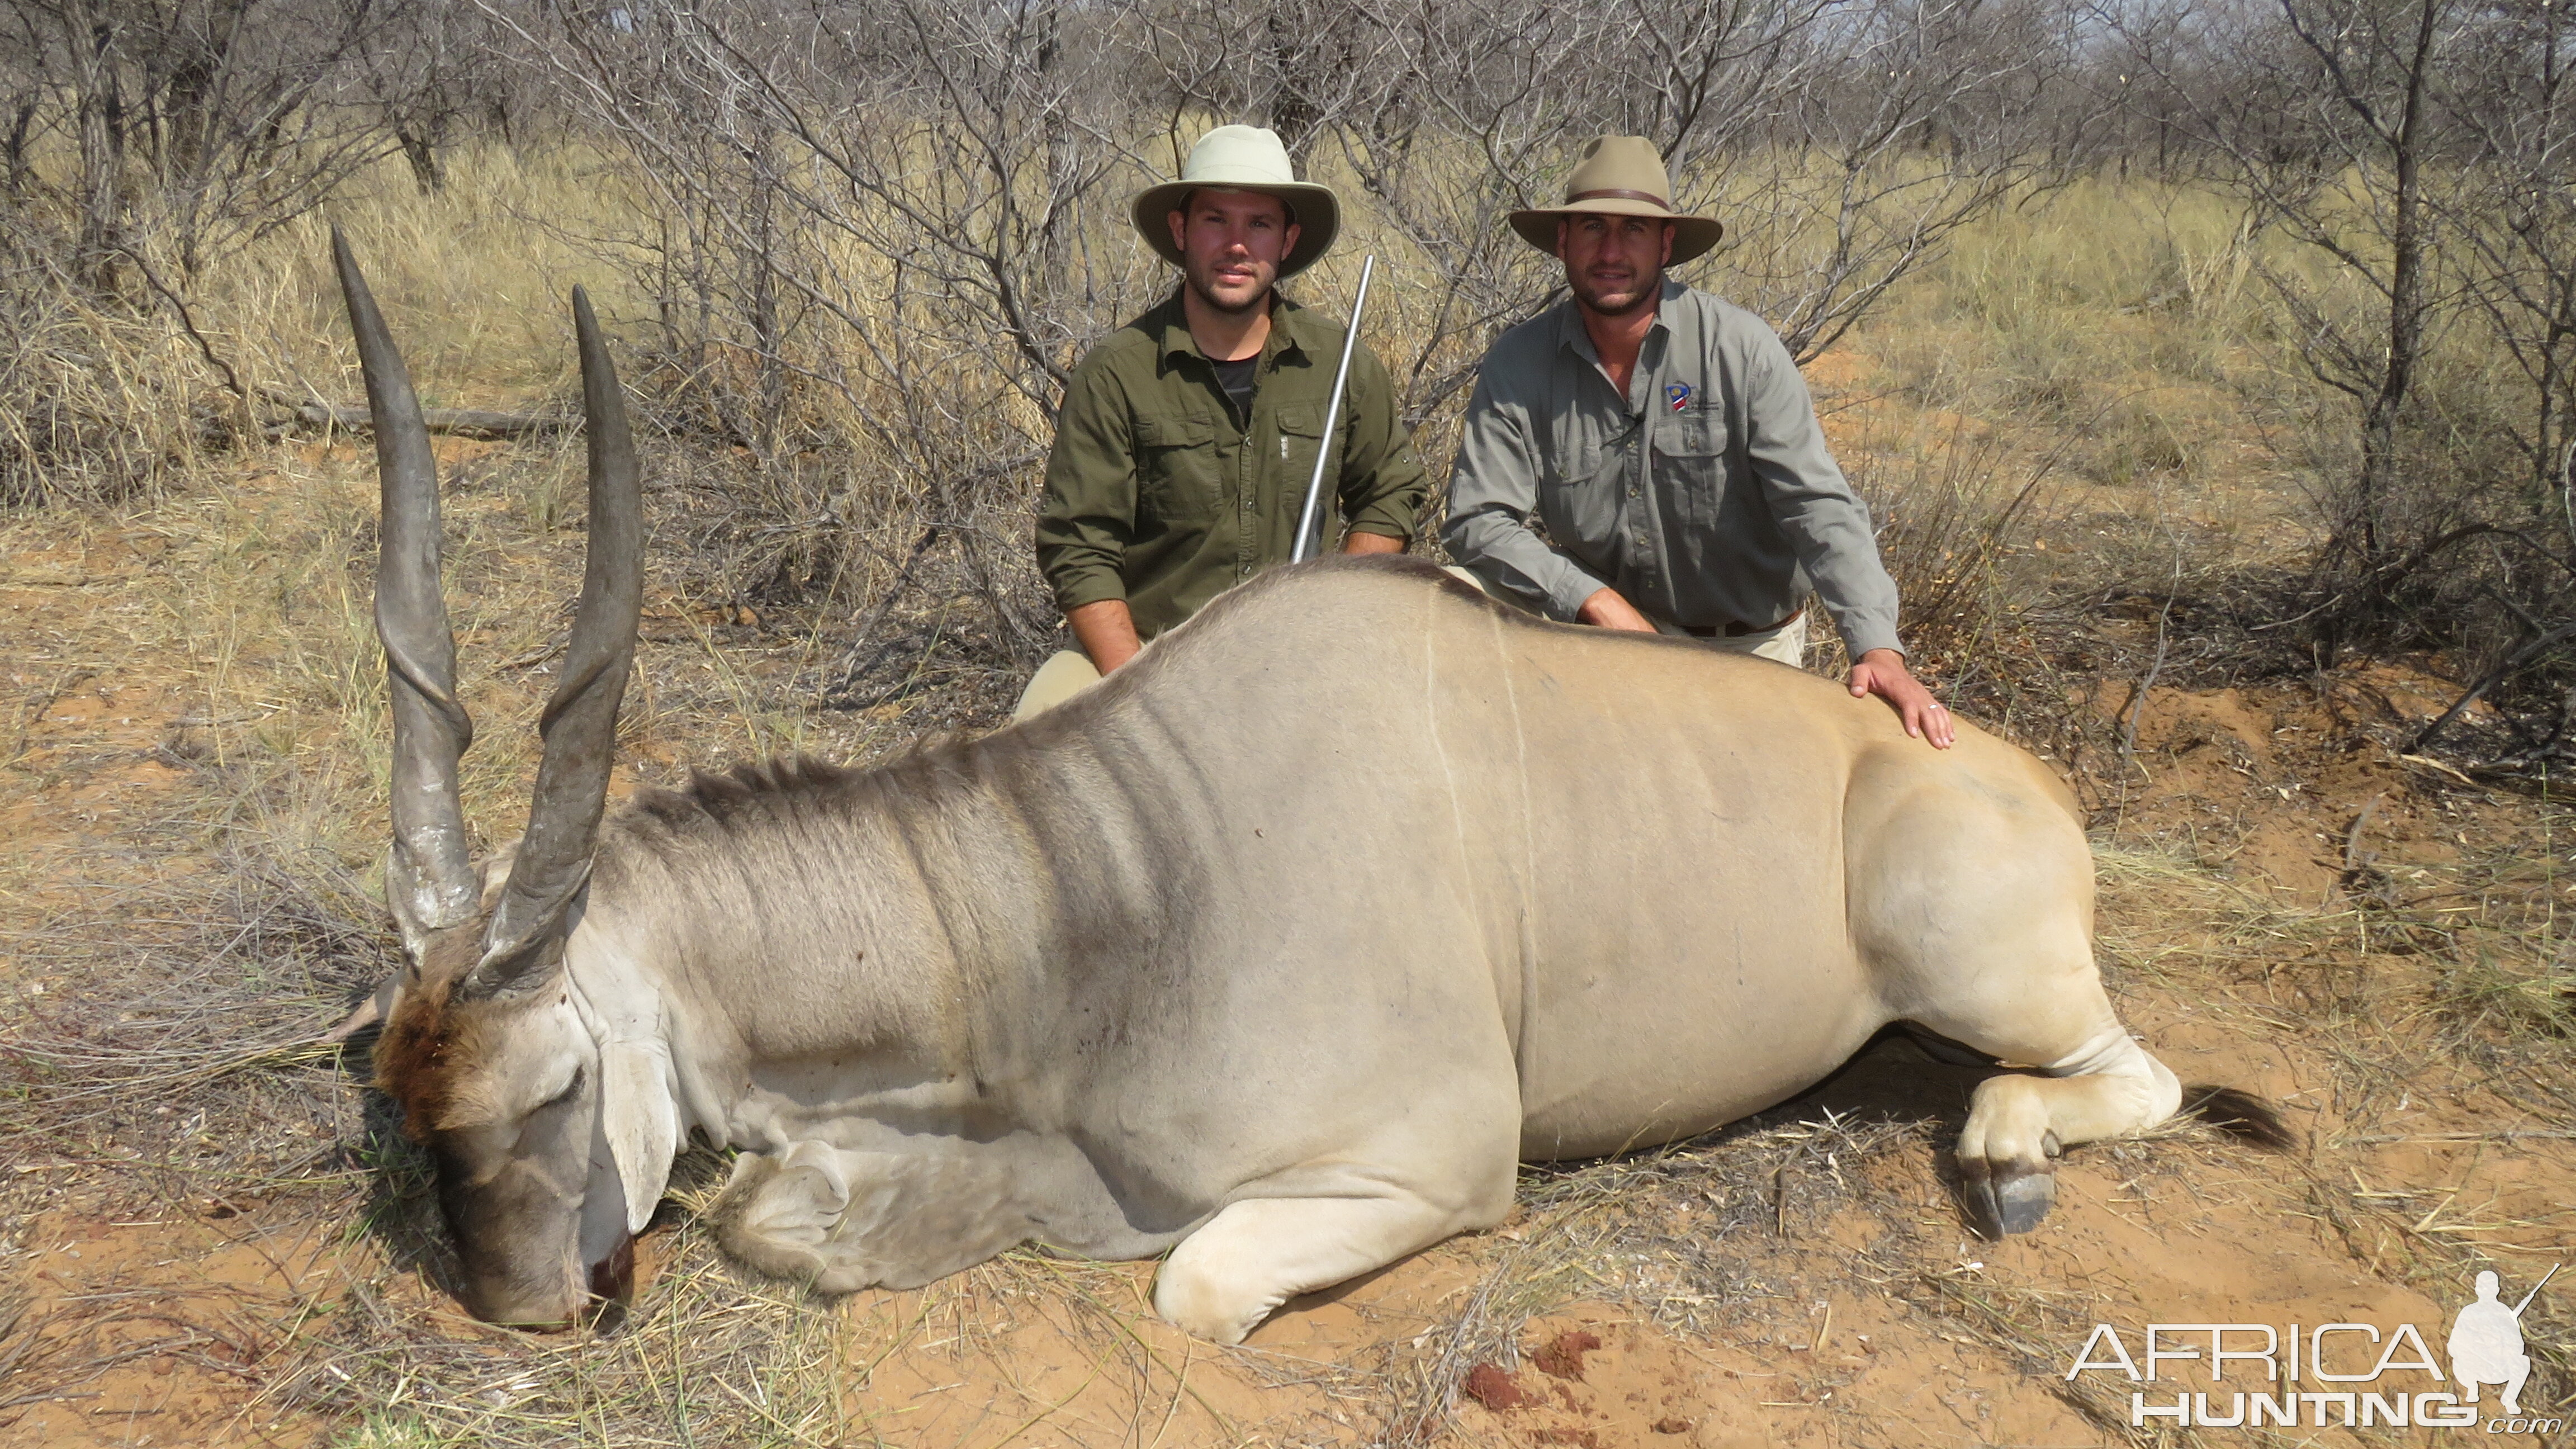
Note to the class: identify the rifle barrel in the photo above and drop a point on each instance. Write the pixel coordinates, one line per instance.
(2536, 1287)
(1304, 548)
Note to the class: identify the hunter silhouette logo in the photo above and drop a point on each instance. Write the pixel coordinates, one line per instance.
(2486, 1343)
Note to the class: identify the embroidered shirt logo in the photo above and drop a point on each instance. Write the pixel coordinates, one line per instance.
(1678, 395)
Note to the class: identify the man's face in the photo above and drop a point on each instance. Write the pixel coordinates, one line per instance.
(1231, 243)
(1614, 264)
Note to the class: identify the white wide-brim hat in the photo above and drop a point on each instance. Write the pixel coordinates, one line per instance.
(1242, 158)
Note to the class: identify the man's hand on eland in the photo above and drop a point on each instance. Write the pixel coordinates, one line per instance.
(1882, 672)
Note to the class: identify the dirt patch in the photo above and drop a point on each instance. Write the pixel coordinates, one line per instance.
(1494, 1388)
(1562, 1356)
(164, 1330)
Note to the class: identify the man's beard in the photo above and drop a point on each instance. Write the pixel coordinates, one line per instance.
(1651, 286)
(1198, 284)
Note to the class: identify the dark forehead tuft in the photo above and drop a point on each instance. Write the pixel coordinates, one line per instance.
(411, 1056)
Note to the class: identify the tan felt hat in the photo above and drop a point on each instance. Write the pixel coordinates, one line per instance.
(1242, 158)
(1622, 176)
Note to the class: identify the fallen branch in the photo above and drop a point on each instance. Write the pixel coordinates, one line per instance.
(2427, 762)
(2355, 859)
(463, 422)
(2530, 650)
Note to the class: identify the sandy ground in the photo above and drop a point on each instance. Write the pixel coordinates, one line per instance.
(1861, 1312)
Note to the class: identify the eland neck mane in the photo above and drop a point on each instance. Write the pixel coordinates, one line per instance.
(908, 925)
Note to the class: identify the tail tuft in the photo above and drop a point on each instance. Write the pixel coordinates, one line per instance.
(2240, 1115)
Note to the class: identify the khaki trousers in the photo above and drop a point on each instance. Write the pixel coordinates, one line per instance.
(1066, 673)
(1785, 645)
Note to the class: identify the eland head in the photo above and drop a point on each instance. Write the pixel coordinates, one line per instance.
(485, 1043)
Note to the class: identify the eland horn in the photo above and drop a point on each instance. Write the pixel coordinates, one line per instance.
(429, 877)
(580, 722)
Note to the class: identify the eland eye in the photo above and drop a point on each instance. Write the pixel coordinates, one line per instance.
(559, 1098)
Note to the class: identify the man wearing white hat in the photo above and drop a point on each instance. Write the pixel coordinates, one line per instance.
(1187, 436)
(1667, 444)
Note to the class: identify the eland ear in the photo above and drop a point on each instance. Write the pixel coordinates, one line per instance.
(496, 873)
(376, 1006)
(641, 1122)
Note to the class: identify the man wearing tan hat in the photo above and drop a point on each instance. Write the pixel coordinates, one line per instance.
(1187, 436)
(1667, 443)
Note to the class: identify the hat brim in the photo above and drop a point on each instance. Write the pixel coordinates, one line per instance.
(1317, 212)
(1692, 235)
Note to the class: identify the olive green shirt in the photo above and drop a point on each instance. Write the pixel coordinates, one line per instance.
(1159, 493)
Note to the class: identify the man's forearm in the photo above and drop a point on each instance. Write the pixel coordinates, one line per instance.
(1814, 505)
(1358, 542)
(1610, 609)
(1507, 554)
(1493, 491)
(1106, 631)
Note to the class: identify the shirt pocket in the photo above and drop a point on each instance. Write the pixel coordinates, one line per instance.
(1176, 469)
(1579, 495)
(1690, 462)
(1301, 433)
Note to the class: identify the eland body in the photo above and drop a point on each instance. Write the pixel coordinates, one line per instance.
(1276, 950)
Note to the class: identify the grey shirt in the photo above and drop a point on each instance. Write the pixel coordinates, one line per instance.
(1705, 496)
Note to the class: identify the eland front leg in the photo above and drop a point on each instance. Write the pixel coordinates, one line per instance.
(1256, 1254)
(1330, 1220)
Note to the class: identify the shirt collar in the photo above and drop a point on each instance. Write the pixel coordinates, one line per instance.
(1671, 318)
(1570, 333)
(1287, 322)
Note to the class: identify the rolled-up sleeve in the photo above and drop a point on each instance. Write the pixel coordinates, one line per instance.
(1383, 486)
(1493, 489)
(1088, 515)
(1813, 503)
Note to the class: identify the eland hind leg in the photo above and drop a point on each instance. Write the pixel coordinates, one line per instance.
(1976, 915)
(2017, 1125)
(2050, 1014)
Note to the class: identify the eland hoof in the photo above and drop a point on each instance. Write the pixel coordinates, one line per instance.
(2008, 1198)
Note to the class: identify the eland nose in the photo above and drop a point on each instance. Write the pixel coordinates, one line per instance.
(612, 1280)
(514, 1305)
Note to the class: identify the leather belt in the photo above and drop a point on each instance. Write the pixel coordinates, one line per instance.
(1737, 628)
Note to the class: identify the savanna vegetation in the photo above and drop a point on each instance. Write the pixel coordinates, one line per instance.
(2211, 368)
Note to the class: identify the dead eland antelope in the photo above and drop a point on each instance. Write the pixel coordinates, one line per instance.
(1274, 951)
